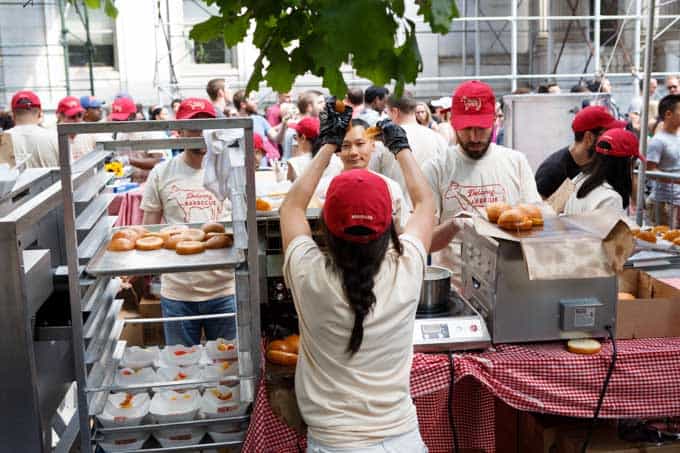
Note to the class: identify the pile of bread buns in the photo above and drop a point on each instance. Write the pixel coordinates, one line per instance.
(284, 352)
(661, 231)
(522, 217)
(180, 238)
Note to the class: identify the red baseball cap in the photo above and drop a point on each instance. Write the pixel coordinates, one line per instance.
(258, 143)
(473, 105)
(595, 117)
(70, 106)
(357, 198)
(619, 143)
(25, 100)
(307, 126)
(122, 108)
(190, 107)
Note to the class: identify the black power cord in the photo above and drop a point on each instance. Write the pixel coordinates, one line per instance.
(603, 392)
(450, 403)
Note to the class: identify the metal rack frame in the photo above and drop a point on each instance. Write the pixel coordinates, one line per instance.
(247, 280)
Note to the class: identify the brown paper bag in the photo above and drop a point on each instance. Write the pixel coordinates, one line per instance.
(7, 150)
(558, 199)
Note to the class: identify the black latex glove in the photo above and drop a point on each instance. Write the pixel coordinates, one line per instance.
(393, 136)
(333, 124)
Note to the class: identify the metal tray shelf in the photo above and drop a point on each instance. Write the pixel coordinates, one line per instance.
(156, 426)
(192, 448)
(161, 261)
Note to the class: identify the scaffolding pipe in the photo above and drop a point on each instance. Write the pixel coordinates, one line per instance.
(636, 46)
(64, 46)
(644, 126)
(596, 37)
(88, 46)
(513, 46)
(565, 18)
(477, 50)
(550, 37)
(463, 47)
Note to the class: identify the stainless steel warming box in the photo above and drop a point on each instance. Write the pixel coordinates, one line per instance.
(517, 309)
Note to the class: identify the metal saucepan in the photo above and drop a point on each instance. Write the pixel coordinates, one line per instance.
(434, 296)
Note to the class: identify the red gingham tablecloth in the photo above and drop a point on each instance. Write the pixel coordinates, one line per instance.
(542, 378)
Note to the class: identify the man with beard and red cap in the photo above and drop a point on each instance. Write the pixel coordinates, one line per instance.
(174, 194)
(475, 172)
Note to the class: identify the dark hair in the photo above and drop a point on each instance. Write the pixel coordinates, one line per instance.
(357, 265)
(595, 85)
(614, 170)
(213, 88)
(579, 88)
(355, 95)
(239, 98)
(406, 104)
(667, 104)
(154, 111)
(374, 92)
(176, 101)
(6, 121)
(543, 89)
(354, 122)
(578, 136)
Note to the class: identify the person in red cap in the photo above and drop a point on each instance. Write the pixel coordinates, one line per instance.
(124, 108)
(476, 172)
(174, 194)
(588, 125)
(258, 148)
(606, 181)
(356, 304)
(32, 145)
(69, 110)
(306, 132)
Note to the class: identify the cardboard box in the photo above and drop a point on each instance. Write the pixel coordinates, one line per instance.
(150, 308)
(152, 333)
(538, 433)
(654, 313)
(605, 440)
(132, 333)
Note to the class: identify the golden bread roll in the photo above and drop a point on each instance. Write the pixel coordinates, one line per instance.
(515, 220)
(189, 247)
(140, 230)
(174, 229)
(213, 227)
(160, 234)
(494, 210)
(671, 235)
(262, 205)
(193, 234)
(647, 236)
(584, 346)
(126, 233)
(220, 241)
(149, 243)
(660, 229)
(533, 212)
(120, 244)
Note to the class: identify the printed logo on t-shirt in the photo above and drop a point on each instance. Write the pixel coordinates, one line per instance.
(478, 196)
(196, 204)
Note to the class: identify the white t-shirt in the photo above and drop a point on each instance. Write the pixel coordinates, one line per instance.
(35, 145)
(400, 210)
(82, 144)
(425, 145)
(301, 162)
(358, 400)
(176, 189)
(501, 175)
(603, 196)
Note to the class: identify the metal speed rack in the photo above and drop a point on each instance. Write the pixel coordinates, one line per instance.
(97, 347)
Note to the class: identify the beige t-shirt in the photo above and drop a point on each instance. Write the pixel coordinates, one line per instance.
(425, 145)
(356, 400)
(35, 145)
(301, 162)
(82, 144)
(601, 197)
(502, 175)
(177, 190)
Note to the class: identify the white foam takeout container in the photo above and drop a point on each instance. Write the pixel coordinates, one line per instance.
(179, 437)
(136, 357)
(129, 376)
(114, 415)
(228, 432)
(216, 371)
(123, 441)
(212, 406)
(177, 373)
(179, 355)
(170, 406)
(222, 349)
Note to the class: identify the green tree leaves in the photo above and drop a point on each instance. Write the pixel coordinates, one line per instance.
(317, 36)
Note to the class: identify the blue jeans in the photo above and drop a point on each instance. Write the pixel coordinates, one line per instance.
(188, 333)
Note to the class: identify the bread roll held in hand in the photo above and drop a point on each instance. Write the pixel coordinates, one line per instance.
(514, 220)
(533, 212)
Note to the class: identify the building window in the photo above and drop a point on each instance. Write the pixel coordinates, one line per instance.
(101, 34)
(213, 51)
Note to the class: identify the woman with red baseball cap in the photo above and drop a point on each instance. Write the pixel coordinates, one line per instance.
(356, 303)
(606, 181)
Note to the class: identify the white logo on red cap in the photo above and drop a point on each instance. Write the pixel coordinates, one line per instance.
(196, 105)
(361, 217)
(117, 108)
(471, 103)
(72, 104)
